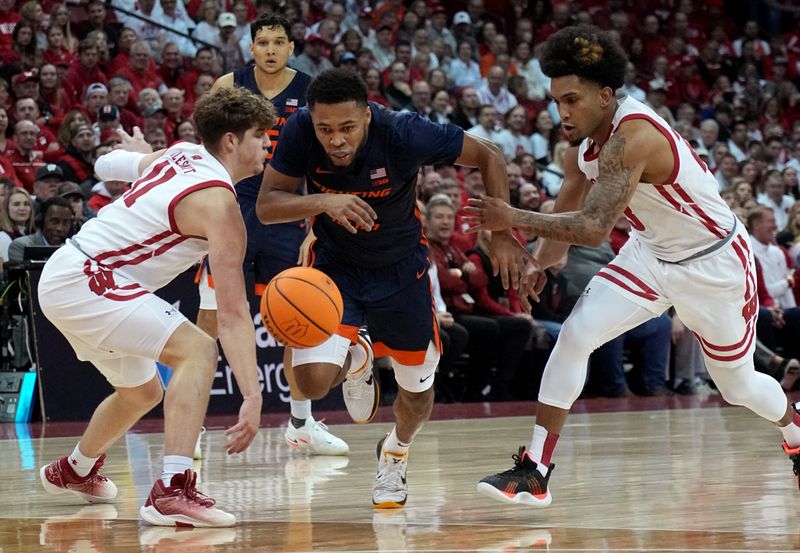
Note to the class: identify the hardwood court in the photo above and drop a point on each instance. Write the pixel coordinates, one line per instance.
(709, 479)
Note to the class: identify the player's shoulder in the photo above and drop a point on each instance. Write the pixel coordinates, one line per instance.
(195, 164)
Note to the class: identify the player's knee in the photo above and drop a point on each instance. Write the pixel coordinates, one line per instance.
(576, 336)
(144, 397)
(314, 380)
(732, 383)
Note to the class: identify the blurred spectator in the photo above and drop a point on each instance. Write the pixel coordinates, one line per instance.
(775, 197)
(527, 164)
(26, 158)
(773, 261)
(529, 68)
(176, 20)
(463, 70)
(726, 171)
(187, 131)
(465, 114)
(398, 91)
(487, 122)
(495, 92)
(48, 177)
(105, 192)
(172, 68)
(437, 27)
(440, 107)
(383, 50)
(96, 21)
(312, 61)
(657, 99)
(85, 71)
(228, 43)
(139, 73)
(71, 192)
(512, 138)
(553, 174)
(56, 221)
(78, 162)
(544, 137)
(24, 52)
(374, 83)
(156, 137)
(16, 218)
(6, 143)
(96, 96)
(8, 18)
(56, 51)
(207, 29)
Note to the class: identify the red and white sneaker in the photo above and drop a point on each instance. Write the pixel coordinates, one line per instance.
(180, 504)
(59, 477)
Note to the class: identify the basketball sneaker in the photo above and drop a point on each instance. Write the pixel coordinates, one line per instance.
(521, 484)
(180, 504)
(58, 477)
(315, 438)
(361, 389)
(794, 456)
(391, 488)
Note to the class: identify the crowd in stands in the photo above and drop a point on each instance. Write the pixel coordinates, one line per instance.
(724, 74)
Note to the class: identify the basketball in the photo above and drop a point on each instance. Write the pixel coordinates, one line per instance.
(301, 307)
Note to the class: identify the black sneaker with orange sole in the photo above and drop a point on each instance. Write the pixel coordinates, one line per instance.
(522, 484)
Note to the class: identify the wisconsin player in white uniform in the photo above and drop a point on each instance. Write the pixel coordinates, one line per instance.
(686, 250)
(98, 291)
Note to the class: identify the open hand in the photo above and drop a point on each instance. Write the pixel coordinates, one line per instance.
(531, 283)
(350, 211)
(488, 213)
(241, 435)
(508, 257)
(135, 143)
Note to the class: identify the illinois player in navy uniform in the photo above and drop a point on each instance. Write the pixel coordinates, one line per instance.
(271, 248)
(360, 163)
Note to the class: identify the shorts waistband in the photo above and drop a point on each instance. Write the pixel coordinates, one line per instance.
(721, 243)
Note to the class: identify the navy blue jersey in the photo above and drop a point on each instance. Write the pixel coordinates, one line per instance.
(384, 174)
(291, 98)
(282, 240)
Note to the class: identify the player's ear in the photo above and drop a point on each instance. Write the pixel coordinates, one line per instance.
(368, 114)
(606, 96)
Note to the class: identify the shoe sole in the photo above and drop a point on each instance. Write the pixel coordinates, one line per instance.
(151, 516)
(522, 498)
(302, 445)
(57, 490)
(390, 504)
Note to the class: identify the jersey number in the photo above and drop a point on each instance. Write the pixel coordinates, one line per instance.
(147, 183)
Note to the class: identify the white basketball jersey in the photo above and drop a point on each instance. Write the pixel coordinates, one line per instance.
(136, 234)
(677, 218)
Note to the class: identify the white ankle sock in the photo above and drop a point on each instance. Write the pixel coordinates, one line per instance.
(80, 463)
(542, 445)
(393, 445)
(358, 356)
(300, 408)
(174, 464)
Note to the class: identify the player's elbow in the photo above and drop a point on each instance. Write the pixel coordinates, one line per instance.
(263, 212)
(594, 239)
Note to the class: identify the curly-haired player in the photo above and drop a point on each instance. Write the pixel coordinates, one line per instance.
(686, 250)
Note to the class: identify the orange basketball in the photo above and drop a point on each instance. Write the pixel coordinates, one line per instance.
(301, 307)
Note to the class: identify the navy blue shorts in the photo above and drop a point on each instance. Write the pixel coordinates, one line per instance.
(394, 302)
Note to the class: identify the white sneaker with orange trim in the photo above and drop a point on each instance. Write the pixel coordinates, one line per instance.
(315, 438)
(391, 488)
(360, 389)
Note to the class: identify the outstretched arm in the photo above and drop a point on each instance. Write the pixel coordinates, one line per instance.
(505, 252)
(621, 163)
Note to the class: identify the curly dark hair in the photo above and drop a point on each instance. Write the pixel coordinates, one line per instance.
(586, 52)
(270, 21)
(336, 86)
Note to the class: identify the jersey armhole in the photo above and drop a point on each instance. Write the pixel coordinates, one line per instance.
(173, 225)
(665, 131)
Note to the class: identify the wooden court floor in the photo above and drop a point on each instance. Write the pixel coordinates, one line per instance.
(709, 479)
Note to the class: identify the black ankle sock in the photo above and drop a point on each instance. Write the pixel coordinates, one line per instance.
(298, 423)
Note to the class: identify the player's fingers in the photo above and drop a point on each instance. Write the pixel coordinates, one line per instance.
(504, 271)
(137, 133)
(514, 268)
(364, 216)
(123, 134)
(524, 303)
(477, 211)
(366, 207)
(476, 202)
